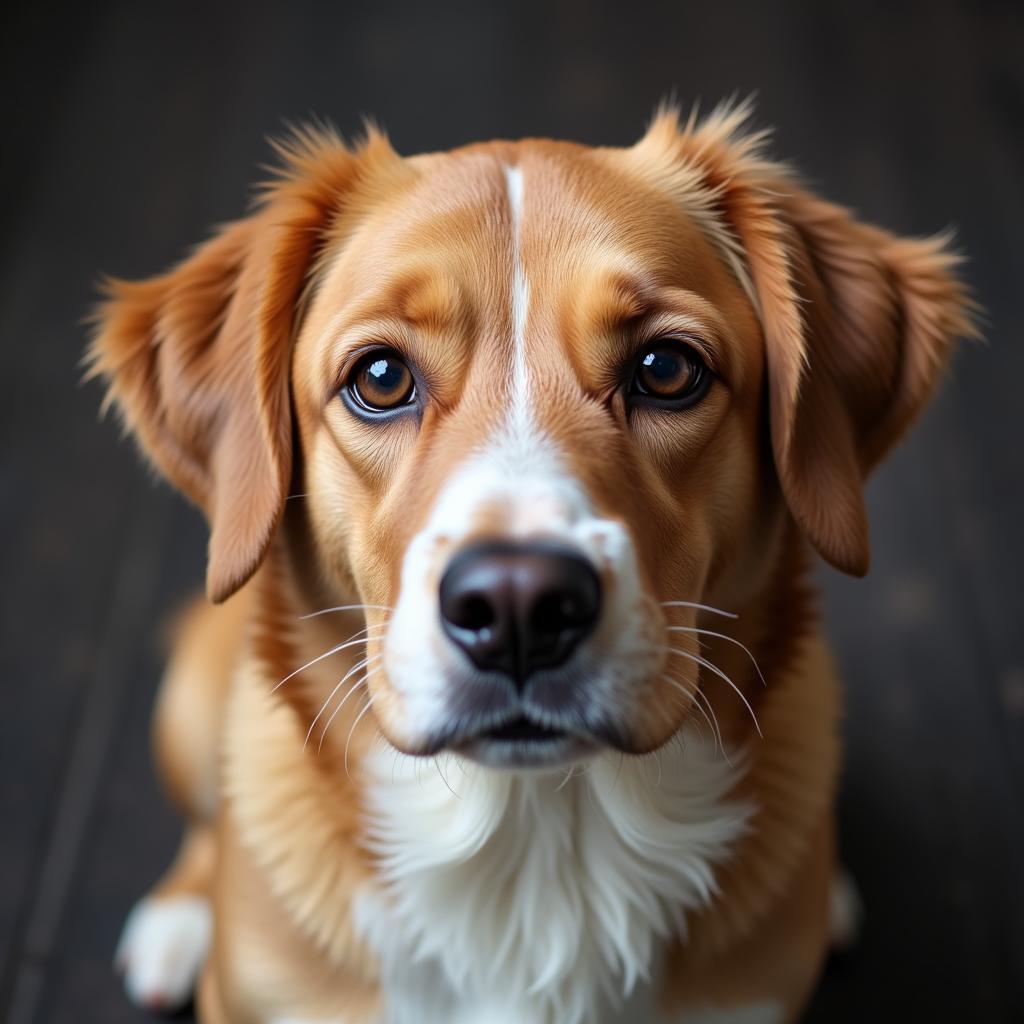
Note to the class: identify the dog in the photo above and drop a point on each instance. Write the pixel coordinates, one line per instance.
(507, 703)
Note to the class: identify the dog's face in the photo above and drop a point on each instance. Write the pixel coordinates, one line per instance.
(528, 396)
(548, 400)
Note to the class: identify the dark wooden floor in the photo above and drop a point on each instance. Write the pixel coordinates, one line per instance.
(130, 127)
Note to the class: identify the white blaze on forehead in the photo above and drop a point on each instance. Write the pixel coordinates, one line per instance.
(520, 410)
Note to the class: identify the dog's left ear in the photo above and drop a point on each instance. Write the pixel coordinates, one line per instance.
(197, 359)
(857, 323)
(858, 327)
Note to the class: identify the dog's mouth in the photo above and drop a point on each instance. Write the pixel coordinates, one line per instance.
(523, 742)
(523, 730)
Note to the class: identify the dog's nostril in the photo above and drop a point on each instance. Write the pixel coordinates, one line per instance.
(474, 612)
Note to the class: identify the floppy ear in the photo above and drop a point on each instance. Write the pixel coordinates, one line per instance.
(197, 359)
(857, 323)
(878, 316)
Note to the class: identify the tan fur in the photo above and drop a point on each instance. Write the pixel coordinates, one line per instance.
(827, 335)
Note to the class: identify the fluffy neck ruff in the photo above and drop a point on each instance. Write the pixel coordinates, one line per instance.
(543, 897)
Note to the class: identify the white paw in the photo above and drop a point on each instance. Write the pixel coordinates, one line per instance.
(845, 911)
(162, 948)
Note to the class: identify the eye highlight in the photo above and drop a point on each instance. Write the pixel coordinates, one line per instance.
(380, 382)
(670, 373)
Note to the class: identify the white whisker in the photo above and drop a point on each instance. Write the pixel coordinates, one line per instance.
(702, 607)
(718, 672)
(341, 682)
(711, 719)
(702, 696)
(348, 608)
(687, 706)
(351, 642)
(568, 775)
(722, 636)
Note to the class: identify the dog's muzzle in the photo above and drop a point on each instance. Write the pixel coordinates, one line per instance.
(519, 612)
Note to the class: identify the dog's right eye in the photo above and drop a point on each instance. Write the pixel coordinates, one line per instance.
(671, 374)
(380, 382)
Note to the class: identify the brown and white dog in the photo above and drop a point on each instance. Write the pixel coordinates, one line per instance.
(518, 712)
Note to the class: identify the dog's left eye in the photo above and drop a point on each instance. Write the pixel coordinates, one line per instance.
(670, 372)
(381, 381)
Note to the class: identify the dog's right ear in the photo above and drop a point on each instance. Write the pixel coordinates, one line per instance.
(197, 359)
(196, 363)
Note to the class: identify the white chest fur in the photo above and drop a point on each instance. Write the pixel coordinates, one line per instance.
(519, 898)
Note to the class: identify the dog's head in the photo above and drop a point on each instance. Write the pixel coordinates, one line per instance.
(538, 397)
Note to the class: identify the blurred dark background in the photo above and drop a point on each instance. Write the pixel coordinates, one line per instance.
(129, 128)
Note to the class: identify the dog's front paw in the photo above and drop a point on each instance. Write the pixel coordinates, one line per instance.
(162, 948)
(845, 912)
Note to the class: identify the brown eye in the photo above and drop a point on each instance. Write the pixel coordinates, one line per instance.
(670, 373)
(381, 382)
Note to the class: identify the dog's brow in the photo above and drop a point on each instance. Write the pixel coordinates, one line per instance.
(432, 301)
(615, 299)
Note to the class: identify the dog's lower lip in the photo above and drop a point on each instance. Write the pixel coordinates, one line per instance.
(523, 729)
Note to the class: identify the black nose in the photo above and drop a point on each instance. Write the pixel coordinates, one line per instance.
(516, 608)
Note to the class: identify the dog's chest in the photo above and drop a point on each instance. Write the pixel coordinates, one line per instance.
(527, 899)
